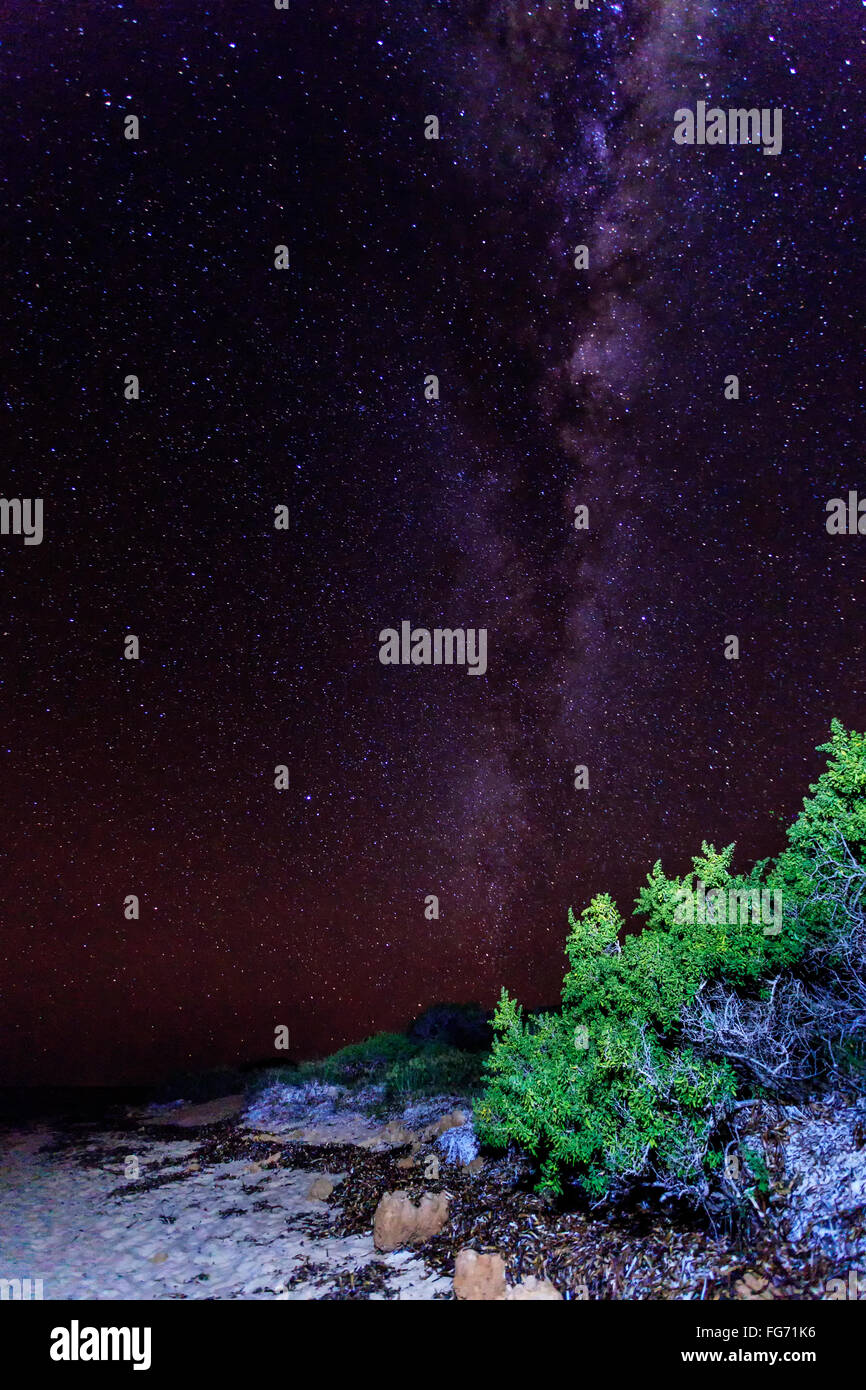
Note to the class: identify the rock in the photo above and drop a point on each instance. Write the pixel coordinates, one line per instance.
(399, 1222)
(475, 1166)
(453, 1120)
(278, 1108)
(479, 1277)
(406, 1162)
(209, 1112)
(320, 1189)
(753, 1286)
(393, 1135)
(396, 1133)
(482, 1278)
(533, 1288)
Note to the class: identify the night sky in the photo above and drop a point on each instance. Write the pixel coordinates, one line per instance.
(304, 388)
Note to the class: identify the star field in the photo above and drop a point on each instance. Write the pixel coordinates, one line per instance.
(559, 387)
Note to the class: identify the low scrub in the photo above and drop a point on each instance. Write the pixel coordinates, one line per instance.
(737, 984)
(398, 1066)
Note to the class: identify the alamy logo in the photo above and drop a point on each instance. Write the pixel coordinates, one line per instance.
(76, 1343)
(855, 1288)
(716, 907)
(732, 127)
(22, 516)
(846, 520)
(14, 1289)
(443, 646)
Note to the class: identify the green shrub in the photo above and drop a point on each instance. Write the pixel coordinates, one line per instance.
(756, 1166)
(828, 838)
(803, 1025)
(265, 1077)
(436, 1069)
(360, 1063)
(609, 1089)
(402, 1066)
(593, 1089)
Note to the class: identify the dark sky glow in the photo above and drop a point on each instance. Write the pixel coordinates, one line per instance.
(305, 388)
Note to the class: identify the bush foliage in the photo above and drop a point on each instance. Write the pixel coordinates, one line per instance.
(399, 1066)
(632, 1077)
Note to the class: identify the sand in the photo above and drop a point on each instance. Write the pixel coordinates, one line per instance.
(76, 1217)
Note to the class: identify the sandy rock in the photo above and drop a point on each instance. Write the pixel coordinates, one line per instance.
(393, 1135)
(396, 1133)
(210, 1112)
(753, 1285)
(256, 1167)
(453, 1120)
(482, 1278)
(479, 1277)
(399, 1222)
(533, 1288)
(406, 1162)
(320, 1189)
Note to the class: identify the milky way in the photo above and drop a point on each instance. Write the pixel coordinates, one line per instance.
(560, 387)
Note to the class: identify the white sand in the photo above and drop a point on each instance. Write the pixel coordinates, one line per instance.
(86, 1238)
